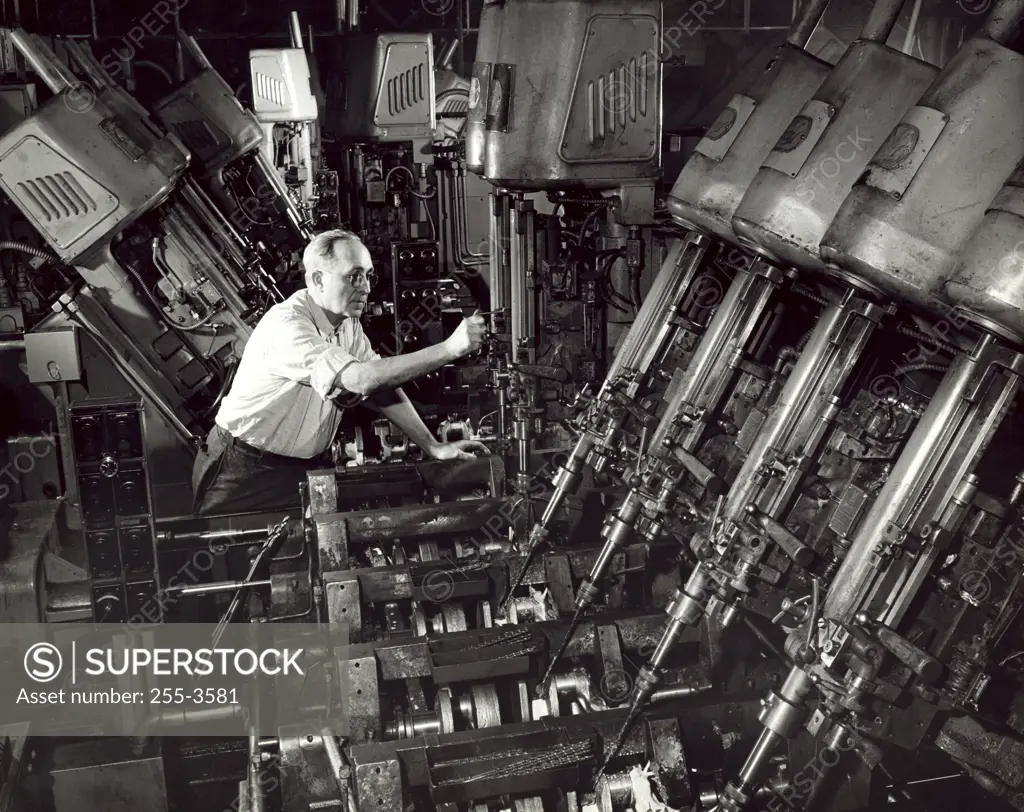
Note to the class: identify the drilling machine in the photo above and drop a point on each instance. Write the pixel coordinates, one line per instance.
(610, 149)
(771, 438)
(233, 134)
(232, 167)
(165, 286)
(286, 107)
(825, 410)
(703, 200)
(403, 193)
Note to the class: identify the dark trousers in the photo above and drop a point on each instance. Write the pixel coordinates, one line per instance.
(231, 477)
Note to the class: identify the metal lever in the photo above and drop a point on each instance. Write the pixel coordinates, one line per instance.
(798, 552)
(927, 668)
(558, 374)
(712, 482)
(642, 416)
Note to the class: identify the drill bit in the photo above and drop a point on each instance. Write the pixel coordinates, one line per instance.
(543, 686)
(537, 536)
(620, 740)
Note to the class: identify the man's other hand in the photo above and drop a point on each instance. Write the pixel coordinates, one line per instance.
(468, 336)
(458, 450)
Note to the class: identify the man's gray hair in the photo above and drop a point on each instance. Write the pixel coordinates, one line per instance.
(322, 250)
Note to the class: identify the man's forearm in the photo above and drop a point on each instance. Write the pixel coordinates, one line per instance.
(367, 377)
(400, 411)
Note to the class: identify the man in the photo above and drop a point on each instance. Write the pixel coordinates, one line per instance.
(307, 359)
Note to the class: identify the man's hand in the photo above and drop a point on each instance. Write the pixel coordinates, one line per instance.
(468, 336)
(458, 450)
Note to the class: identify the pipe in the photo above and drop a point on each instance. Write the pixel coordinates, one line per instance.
(444, 61)
(31, 250)
(881, 21)
(145, 63)
(179, 47)
(12, 344)
(43, 61)
(353, 15)
(189, 44)
(915, 16)
(806, 23)
(1002, 23)
(296, 29)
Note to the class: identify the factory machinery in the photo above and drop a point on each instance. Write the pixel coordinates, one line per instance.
(157, 227)
(804, 591)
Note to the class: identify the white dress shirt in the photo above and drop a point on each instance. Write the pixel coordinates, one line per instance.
(280, 398)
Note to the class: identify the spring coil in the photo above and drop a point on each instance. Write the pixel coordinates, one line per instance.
(961, 673)
(831, 568)
(839, 549)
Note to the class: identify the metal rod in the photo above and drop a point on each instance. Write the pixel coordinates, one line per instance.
(444, 61)
(167, 539)
(295, 29)
(1002, 23)
(882, 20)
(43, 61)
(460, 32)
(915, 16)
(257, 796)
(806, 22)
(179, 45)
(188, 43)
(213, 589)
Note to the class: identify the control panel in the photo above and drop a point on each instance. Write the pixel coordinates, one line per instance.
(117, 517)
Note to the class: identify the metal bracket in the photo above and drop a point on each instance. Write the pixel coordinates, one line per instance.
(332, 543)
(379, 786)
(801, 137)
(359, 688)
(323, 491)
(903, 153)
(344, 603)
(615, 683)
(718, 140)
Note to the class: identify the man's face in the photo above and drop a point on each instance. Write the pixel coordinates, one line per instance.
(345, 287)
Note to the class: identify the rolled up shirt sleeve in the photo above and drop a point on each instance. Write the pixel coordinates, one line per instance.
(299, 353)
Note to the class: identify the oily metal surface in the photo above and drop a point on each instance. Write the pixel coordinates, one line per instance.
(716, 177)
(575, 97)
(988, 283)
(903, 228)
(805, 179)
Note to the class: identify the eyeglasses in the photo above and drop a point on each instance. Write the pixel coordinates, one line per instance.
(368, 278)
